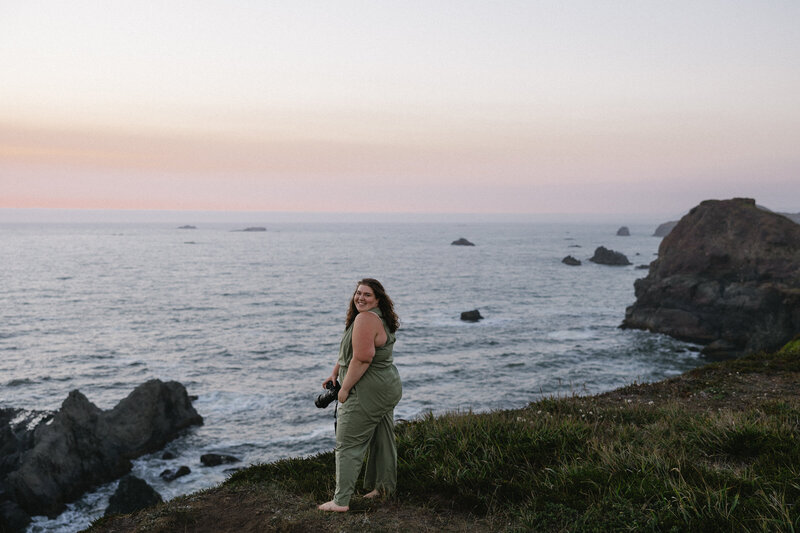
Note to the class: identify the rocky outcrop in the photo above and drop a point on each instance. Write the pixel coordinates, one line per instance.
(16, 436)
(462, 242)
(604, 256)
(82, 446)
(216, 459)
(727, 276)
(132, 494)
(471, 316)
(12, 517)
(624, 232)
(571, 261)
(663, 229)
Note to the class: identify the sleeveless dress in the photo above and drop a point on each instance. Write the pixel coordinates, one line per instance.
(366, 420)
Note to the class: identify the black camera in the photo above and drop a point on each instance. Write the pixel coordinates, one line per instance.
(325, 399)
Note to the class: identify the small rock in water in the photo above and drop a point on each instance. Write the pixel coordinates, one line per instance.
(216, 459)
(604, 256)
(170, 475)
(132, 494)
(462, 242)
(187, 227)
(623, 232)
(471, 316)
(571, 261)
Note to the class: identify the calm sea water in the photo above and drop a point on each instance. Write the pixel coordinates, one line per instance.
(250, 322)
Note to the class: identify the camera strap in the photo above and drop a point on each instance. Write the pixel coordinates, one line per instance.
(335, 413)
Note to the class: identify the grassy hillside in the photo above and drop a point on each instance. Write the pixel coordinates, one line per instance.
(715, 449)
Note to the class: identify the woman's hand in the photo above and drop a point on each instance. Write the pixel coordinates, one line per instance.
(331, 379)
(343, 394)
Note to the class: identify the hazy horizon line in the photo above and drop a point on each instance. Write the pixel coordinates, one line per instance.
(84, 215)
(188, 216)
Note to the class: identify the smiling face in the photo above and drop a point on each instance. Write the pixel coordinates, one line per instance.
(364, 298)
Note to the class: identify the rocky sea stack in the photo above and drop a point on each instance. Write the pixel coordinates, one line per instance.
(82, 446)
(604, 256)
(727, 276)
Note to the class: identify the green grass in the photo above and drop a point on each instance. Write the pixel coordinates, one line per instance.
(567, 465)
(578, 466)
(601, 463)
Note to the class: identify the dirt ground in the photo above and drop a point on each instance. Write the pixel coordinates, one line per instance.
(264, 509)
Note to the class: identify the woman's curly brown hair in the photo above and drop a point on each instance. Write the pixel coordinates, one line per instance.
(385, 304)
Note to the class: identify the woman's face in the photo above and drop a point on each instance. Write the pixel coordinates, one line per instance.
(364, 298)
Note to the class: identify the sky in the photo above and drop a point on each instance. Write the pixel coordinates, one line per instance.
(435, 106)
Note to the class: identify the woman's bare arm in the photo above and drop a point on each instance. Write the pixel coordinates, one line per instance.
(365, 330)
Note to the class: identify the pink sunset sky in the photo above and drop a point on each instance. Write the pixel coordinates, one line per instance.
(402, 107)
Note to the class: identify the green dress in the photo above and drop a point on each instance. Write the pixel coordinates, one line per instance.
(366, 421)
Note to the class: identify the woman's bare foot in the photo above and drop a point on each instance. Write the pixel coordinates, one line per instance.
(373, 494)
(331, 506)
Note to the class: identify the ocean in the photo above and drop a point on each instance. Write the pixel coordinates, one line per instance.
(250, 323)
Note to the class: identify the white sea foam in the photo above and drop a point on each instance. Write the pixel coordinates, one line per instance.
(572, 334)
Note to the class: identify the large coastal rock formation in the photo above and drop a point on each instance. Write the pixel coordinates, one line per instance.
(727, 276)
(82, 446)
(663, 229)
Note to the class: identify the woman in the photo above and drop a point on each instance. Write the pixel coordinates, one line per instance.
(370, 390)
